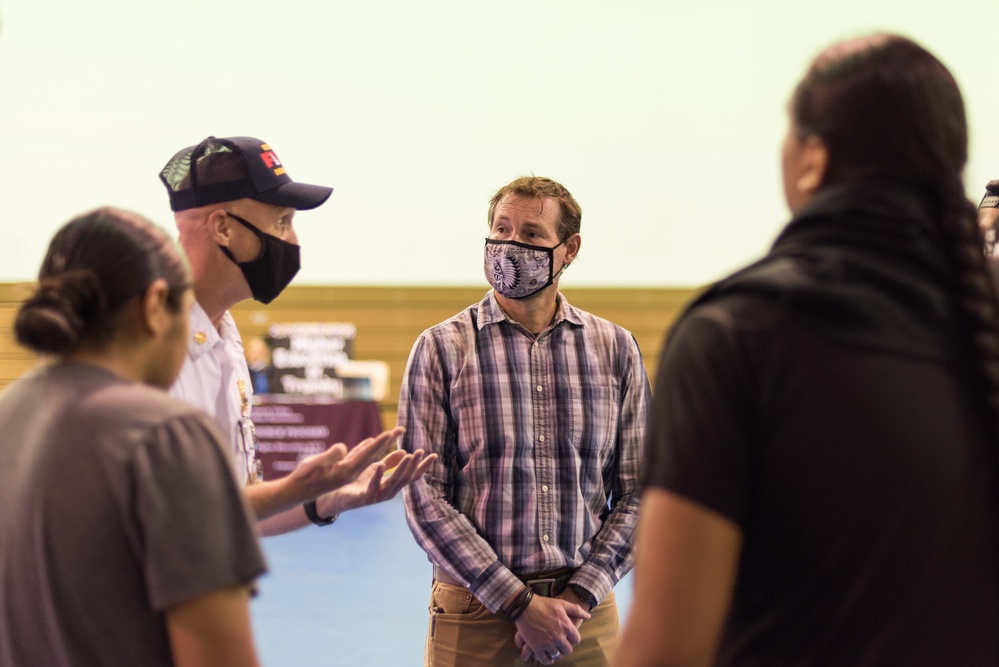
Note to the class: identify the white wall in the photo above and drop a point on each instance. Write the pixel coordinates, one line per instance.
(663, 117)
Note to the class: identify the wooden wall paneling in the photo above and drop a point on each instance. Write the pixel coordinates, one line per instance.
(389, 319)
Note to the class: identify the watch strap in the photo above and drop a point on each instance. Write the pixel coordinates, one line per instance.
(313, 513)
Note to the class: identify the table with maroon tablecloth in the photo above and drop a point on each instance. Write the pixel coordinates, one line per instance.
(289, 431)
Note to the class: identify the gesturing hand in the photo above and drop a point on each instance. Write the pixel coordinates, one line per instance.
(373, 485)
(337, 467)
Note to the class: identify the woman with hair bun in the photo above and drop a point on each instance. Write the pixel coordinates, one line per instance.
(124, 537)
(821, 473)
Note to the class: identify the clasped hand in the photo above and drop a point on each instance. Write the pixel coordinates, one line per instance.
(549, 628)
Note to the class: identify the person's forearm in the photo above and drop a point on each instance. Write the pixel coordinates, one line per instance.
(269, 499)
(688, 559)
(611, 550)
(285, 522)
(450, 539)
(328, 505)
(612, 547)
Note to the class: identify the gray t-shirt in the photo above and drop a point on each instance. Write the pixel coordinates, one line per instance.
(117, 502)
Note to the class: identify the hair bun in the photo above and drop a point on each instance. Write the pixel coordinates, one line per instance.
(53, 320)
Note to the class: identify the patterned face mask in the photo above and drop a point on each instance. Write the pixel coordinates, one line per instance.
(518, 270)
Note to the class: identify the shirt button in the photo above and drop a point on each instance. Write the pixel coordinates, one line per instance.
(541, 438)
(544, 487)
(201, 338)
(540, 388)
(544, 537)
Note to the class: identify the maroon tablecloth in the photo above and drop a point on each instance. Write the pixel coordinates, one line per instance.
(288, 432)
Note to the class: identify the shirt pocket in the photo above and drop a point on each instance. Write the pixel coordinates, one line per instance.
(593, 417)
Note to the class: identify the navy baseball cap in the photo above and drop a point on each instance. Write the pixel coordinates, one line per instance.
(229, 168)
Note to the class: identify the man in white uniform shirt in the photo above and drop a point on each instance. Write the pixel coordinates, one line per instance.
(233, 203)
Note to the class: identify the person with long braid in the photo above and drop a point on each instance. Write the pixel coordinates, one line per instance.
(821, 464)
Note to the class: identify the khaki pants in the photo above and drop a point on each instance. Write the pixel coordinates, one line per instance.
(463, 633)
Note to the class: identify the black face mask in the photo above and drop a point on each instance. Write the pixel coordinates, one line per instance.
(274, 267)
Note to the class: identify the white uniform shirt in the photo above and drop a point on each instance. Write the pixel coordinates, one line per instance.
(215, 378)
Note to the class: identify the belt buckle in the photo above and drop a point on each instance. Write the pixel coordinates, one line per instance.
(542, 587)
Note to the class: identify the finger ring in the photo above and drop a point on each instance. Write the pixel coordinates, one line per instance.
(555, 654)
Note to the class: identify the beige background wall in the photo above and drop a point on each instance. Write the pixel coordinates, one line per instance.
(663, 117)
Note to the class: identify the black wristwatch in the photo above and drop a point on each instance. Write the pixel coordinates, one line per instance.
(313, 514)
(584, 595)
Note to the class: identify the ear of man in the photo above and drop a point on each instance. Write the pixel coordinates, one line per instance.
(572, 245)
(155, 314)
(220, 227)
(813, 162)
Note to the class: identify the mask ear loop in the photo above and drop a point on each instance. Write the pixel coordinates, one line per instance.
(256, 232)
(551, 264)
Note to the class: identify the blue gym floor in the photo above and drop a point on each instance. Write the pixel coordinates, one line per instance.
(354, 593)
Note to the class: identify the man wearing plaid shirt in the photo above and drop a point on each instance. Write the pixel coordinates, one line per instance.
(537, 412)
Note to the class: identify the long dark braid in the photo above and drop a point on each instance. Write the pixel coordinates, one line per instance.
(887, 109)
(979, 300)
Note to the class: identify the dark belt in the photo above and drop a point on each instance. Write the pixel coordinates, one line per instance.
(545, 584)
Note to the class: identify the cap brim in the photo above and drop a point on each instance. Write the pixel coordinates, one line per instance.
(299, 196)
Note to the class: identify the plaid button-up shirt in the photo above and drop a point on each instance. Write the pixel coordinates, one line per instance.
(539, 439)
